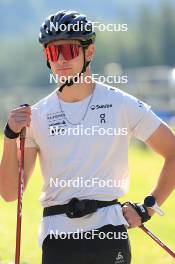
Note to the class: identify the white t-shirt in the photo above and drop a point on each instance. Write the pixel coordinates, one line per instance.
(96, 155)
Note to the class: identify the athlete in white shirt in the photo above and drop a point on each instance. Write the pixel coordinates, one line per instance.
(81, 132)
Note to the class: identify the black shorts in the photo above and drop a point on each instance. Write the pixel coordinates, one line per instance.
(106, 245)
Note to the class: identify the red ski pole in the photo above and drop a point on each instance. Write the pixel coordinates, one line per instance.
(158, 241)
(20, 194)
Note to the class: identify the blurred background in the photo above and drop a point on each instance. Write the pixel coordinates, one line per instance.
(145, 53)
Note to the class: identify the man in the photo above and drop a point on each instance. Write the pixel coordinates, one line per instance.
(91, 157)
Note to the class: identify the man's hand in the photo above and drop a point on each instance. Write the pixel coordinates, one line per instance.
(131, 216)
(19, 118)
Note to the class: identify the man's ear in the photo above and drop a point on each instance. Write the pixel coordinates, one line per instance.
(90, 52)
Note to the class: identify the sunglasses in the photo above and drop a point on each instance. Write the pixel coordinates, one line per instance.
(68, 51)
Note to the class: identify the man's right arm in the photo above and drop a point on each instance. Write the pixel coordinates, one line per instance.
(9, 169)
(9, 166)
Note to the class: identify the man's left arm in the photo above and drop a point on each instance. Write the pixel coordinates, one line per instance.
(162, 141)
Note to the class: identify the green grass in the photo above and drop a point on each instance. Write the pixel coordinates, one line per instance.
(145, 167)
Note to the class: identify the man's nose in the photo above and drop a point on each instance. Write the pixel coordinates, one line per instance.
(61, 59)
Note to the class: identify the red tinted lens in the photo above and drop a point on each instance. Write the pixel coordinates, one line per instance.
(68, 51)
(52, 53)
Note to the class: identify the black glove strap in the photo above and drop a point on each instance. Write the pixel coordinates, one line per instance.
(141, 210)
(10, 133)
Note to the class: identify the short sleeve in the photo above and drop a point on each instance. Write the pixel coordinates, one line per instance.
(29, 139)
(143, 122)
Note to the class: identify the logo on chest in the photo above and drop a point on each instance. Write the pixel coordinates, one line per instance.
(96, 107)
(56, 123)
(102, 118)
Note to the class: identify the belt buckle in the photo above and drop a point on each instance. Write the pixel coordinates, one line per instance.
(71, 210)
(79, 208)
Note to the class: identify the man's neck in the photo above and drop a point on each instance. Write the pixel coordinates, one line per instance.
(76, 92)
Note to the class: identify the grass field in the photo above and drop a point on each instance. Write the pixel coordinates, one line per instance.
(145, 167)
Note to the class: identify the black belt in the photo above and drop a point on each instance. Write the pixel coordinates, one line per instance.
(77, 208)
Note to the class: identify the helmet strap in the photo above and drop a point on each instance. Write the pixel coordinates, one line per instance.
(48, 64)
(73, 80)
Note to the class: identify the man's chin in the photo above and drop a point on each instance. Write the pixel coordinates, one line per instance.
(63, 78)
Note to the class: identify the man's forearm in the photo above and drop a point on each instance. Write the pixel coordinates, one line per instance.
(9, 170)
(166, 182)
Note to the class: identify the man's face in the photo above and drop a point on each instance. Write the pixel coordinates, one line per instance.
(74, 66)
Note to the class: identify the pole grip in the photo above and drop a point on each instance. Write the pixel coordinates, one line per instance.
(23, 131)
